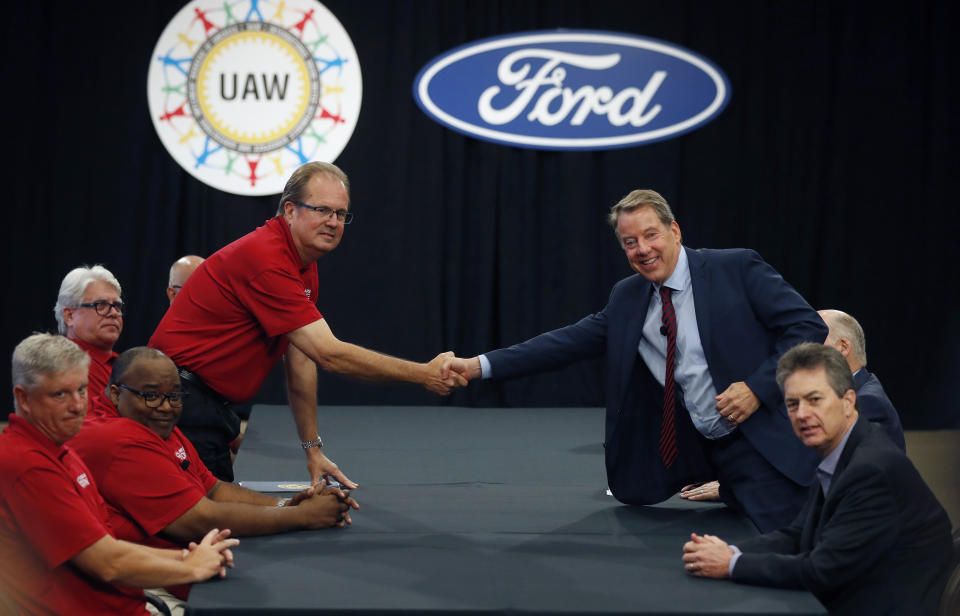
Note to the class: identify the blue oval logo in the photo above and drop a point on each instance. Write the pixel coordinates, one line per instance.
(571, 90)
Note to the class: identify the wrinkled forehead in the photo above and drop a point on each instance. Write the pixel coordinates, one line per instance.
(639, 220)
(804, 381)
(158, 370)
(98, 289)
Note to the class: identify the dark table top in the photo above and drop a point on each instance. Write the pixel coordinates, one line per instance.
(474, 511)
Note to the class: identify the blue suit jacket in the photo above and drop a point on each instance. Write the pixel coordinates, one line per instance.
(879, 543)
(747, 316)
(873, 403)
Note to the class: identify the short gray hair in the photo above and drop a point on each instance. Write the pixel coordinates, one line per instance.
(842, 325)
(42, 355)
(75, 284)
(297, 184)
(812, 355)
(637, 199)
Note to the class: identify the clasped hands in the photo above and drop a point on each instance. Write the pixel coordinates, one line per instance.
(446, 372)
(324, 505)
(707, 556)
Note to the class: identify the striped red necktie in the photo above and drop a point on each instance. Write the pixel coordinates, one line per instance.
(668, 432)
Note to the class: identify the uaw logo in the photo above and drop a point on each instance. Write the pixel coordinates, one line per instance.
(242, 92)
(181, 454)
(571, 90)
(83, 480)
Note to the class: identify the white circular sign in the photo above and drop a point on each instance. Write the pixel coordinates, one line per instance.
(243, 93)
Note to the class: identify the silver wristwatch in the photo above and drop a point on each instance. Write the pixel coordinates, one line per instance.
(317, 442)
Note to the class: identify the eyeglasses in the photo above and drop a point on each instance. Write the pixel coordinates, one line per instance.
(154, 399)
(103, 308)
(342, 215)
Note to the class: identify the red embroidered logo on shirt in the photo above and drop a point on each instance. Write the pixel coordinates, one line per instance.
(181, 454)
(82, 480)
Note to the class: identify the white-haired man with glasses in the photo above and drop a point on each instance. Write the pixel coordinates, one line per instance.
(252, 303)
(89, 312)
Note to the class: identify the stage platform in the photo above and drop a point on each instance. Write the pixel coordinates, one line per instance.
(474, 511)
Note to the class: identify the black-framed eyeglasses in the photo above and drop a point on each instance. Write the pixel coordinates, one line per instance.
(154, 399)
(342, 215)
(103, 308)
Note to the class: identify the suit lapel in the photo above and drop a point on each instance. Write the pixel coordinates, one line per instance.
(813, 521)
(637, 304)
(856, 435)
(702, 299)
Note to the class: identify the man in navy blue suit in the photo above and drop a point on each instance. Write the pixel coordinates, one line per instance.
(871, 537)
(724, 317)
(847, 336)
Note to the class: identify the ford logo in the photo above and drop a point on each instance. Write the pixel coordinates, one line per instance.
(571, 90)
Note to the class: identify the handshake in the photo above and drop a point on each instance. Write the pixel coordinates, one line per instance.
(447, 372)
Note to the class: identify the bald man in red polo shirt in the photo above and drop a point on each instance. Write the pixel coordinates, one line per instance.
(252, 303)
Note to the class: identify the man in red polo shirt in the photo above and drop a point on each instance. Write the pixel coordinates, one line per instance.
(59, 555)
(253, 302)
(90, 313)
(158, 491)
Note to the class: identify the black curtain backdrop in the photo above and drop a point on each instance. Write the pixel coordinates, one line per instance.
(834, 160)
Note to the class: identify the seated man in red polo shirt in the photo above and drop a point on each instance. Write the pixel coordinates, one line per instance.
(157, 489)
(90, 313)
(59, 554)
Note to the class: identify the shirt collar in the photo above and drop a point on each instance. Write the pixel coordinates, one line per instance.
(829, 464)
(104, 357)
(280, 223)
(680, 278)
(25, 428)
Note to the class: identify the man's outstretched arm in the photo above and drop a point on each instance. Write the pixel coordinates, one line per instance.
(316, 341)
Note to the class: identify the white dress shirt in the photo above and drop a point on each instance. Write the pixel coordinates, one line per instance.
(691, 372)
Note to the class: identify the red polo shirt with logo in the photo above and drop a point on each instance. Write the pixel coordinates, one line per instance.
(50, 511)
(147, 482)
(229, 320)
(101, 364)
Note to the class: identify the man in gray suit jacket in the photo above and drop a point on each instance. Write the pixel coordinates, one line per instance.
(871, 538)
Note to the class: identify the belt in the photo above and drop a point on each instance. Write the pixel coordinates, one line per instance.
(727, 438)
(186, 375)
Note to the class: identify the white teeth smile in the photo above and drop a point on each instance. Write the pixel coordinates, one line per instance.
(649, 261)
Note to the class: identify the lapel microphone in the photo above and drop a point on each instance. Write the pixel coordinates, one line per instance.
(663, 330)
(185, 464)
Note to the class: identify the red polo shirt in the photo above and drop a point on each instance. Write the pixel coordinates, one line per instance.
(147, 482)
(229, 320)
(50, 511)
(142, 476)
(101, 364)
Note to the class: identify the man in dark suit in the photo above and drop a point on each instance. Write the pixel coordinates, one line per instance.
(691, 345)
(871, 538)
(847, 336)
